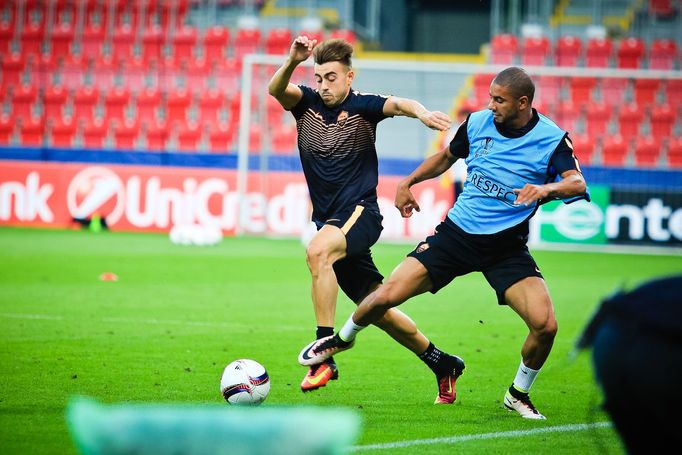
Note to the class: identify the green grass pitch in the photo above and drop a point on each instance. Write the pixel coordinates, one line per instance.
(178, 315)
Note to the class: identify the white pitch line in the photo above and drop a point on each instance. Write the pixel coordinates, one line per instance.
(31, 316)
(480, 436)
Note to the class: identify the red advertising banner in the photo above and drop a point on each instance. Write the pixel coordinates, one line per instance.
(147, 198)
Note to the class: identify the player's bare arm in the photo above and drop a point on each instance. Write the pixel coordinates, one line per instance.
(410, 108)
(432, 167)
(571, 184)
(280, 88)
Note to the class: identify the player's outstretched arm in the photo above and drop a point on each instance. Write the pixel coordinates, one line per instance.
(431, 167)
(410, 108)
(280, 88)
(571, 184)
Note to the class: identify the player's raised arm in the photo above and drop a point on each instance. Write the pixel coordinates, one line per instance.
(280, 88)
(431, 167)
(410, 108)
(571, 184)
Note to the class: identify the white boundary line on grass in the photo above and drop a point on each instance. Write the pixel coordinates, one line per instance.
(480, 436)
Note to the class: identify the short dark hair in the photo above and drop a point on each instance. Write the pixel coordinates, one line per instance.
(333, 50)
(519, 82)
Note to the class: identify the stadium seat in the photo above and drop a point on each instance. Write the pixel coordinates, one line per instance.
(134, 73)
(94, 133)
(156, 134)
(61, 38)
(581, 90)
(125, 134)
(152, 43)
(73, 71)
(647, 151)
(32, 132)
(283, 139)
(147, 103)
(255, 138)
(62, 131)
(612, 90)
(673, 93)
(630, 53)
(503, 49)
(167, 74)
(24, 98)
(13, 66)
(54, 101)
(246, 41)
(220, 139)
(630, 117)
(662, 9)
(104, 71)
(598, 117)
(345, 34)
(567, 115)
(583, 147)
(85, 99)
(177, 103)
(92, 41)
(662, 120)
(197, 73)
(663, 54)
(32, 37)
(598, 52)
(6, 129)
(215, 42)
(45, 70)
(226, 74)
(188, 137)
(646, 91)
(210, 104)
(122, 42)
(278, 41)
(675, 153)
(482, 87)
(116, 101)
(535, 50)
(184, 43)
(6, 35)
(568, 51)
(614, 151)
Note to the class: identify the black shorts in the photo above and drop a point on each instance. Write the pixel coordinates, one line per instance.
(450, 252)
(356, 273)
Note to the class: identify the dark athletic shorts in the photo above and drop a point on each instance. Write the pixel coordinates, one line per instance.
(356, 273)
(450, 252)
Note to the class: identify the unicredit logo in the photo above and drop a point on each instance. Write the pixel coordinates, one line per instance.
(96, 190)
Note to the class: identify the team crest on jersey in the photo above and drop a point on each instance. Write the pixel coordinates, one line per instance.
(422, 247)
(341, 119)
(486, 146)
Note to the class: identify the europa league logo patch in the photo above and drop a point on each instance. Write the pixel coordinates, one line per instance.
(422, 247)
(341, 119)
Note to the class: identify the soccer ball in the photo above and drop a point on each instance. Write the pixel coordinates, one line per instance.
(245, 382)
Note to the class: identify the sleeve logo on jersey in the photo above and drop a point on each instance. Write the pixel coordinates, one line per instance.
(485, 146)
(492, 188)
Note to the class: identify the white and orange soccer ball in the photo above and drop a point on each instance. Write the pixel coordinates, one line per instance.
(245, 382)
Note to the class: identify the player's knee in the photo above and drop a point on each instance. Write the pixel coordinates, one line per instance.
(383, 297)
(316, 256)
(547, 331)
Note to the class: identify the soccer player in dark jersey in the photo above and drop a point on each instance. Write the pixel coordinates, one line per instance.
(514, 156)
(336, 134)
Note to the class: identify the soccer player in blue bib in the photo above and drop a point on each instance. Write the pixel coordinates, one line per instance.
(514, 156)
(336, 134)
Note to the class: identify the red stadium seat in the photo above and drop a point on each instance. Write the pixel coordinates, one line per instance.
(612, 90)
(598, 117)
(482, 87)
(73, 71)
(215, 42)
(647, 151)
(104, 72)
(581, 89)
(630, 53)
(156, 134)
(32, 37)
(122, 43)
(125, 134)
(61, 37)
(662, 54)
(503, 49)
(23, 101)
(92, 40)
(210, 104)
(152, 43)
(662, 9)
(630, 117)
(598, 52)
(227, 74)
(255, 138)
(84, 101)
(673, 93)
(197, 73)
(583, 148)
(177, 103)
(6, 35)
(278, 41)
(246, 41)
(147, 104)
(94, 133)
(662, 120)
(6, 129)
(567, 115)
(184, 43)
(188, 137)
(675, 153)
(568, 51)
(32, 132)
(535, 51)
(283, 139)
(13, 66)
(614, 151)
(62, 131)
(54, 101)
(220, 139)
(345, 34)
(116, 101)
(646, 91)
